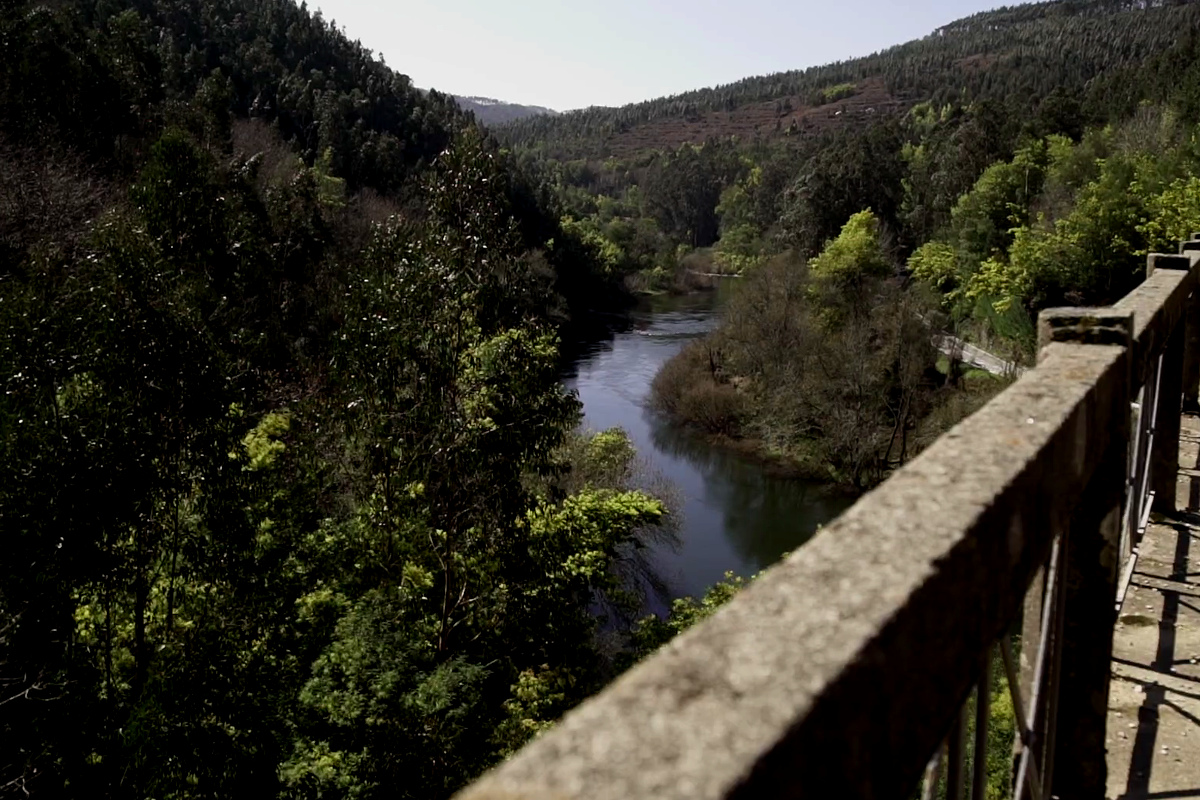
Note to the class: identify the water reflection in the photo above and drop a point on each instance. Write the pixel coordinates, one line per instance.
(736, 515)
(764, 515)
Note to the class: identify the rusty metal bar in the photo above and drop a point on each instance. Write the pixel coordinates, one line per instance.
(983, 707)
(1135, 448)
(1139, 498)
(933, 775)
(1151, 421)
(1054, 670)
(956, 747)
(1027, 772)
(1051, 634)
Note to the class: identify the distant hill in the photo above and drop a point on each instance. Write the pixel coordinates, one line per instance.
(1090, 50)
(497, 112)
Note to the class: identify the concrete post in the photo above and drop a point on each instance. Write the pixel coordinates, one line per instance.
(1069, 731)
(1079, 767)
(1164, 458)
(1191, 345)
(1031, 619)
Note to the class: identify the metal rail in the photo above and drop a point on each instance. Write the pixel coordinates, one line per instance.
(1139, 497)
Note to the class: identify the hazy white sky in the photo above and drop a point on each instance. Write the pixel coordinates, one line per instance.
(574, 53)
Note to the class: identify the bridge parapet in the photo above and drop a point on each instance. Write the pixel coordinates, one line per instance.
(843, 668)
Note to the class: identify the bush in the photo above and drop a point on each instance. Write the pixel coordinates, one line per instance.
(711, 407)
(683, 369)
(692, 388)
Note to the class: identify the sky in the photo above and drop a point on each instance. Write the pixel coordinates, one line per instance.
(567, 54)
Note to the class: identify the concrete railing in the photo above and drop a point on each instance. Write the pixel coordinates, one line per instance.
(842, 669)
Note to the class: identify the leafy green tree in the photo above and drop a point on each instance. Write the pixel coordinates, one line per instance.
(464, 590)
(683, 189)
(936, 263)
(983, 219)
(847, 271)
(1173, 215)
(848, 173)
(653, 632)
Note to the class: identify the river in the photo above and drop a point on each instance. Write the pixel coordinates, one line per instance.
(736, 515)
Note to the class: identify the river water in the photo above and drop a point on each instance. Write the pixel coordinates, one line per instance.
(736, 515)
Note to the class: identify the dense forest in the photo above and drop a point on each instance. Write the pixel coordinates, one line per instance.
(291, 498)
(293, 501)
(1095, 51)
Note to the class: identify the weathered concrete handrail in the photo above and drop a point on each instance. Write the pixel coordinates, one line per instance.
(841, 669)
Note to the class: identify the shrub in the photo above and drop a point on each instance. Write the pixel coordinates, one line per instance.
(691, 388)
(712, 407)
(841, 91)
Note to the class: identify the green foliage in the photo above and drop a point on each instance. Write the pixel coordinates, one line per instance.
(294, 505)
(178, 200)
(1088, 256)
(653, 632)
(847, 173)
(936, 263)
(395, 710)
(1057, 66)
(948, 148)
(539, 697)
(272, 525)
(740, 246)
(601, 460)
(331, 190)
(262, 444)
(683, 190)
(611, 258)
(1172, 215)
(831, 94)
(1063, 223)
(983, 219)
(855, 255)
(1002, 728)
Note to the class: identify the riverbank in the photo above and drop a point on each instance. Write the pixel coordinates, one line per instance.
(836, 384)
(698, 270)
(739, 512)
(778, 463)
(793, 463)
(729, 413)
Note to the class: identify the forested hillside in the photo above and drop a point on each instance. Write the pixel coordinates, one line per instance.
(290, 497)
(488, 111)
(1092, 51)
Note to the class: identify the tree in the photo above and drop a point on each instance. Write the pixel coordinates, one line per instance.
(849, 172)
(683, 189)
(848, 270)
(464, 582)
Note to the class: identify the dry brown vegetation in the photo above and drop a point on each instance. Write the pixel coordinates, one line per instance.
(792, 115)
(48, 198)
(278, 162)
(694, 388)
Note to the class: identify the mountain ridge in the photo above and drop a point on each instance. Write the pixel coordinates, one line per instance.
(1008, 53)
(490, 111)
